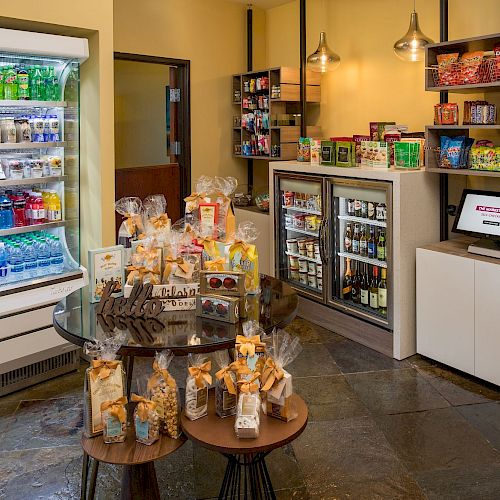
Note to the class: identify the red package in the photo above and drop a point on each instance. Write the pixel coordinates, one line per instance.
(448, 72)
(471, 64)
(496, 50)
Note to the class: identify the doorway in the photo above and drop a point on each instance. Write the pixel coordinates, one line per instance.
(152, 129)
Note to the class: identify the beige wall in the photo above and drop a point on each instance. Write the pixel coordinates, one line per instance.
(212, 35)
(140, 114)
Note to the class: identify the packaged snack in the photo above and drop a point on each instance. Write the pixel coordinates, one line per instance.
(218, 307)
(225, 385)
(104, 381)
(315, 151)
(224, 189)
(243, 256)
(222, 283)
(197, 383)
(357, 139)
(470, 67)
(203, 185)
(377, 130)
(163, 390)
(177, 268)
(380, 155)
(448, 72)
(114, 420)
(276, 381)
(157, 224)
(247, 423)
(343, 153)
(390, 139)
(251, 345)
(407, 154)
(304, 149)
(130, 208)
(451, 151)
(146, 420)
(145, 266)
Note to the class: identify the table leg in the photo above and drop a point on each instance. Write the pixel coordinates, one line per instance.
(139, 482)
(93, 478)
(85, 473)
(256, 484)
(129, 367)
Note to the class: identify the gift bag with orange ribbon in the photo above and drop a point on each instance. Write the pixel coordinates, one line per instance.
(146, 418)
(156, 221)
(225, 384)
(224, 189)
(247, 423)
(276, 382)
(177, 268)
(251, 345)
(197, 384)
(163, 390)
(145, 263)
(104, 381)
(243, 256)
(130, 208)
(203, 185)
(187, 246)
(114, 420)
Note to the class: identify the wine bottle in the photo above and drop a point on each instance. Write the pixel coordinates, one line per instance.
(374, 289)
(364, 288)
(356, 285)
(382, 293)
(381, 246)
(372, 244)
(347, 282)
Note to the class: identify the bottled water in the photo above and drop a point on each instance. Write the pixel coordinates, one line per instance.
(30, 260)
(44, 257)
(16, 263)
(4, 269)
(56, 256)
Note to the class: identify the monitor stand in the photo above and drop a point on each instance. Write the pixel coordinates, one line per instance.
(486, 247)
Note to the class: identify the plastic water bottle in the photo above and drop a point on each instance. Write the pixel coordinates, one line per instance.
(30, 260)
(44, 257)
(16, 263)
(56, 256)
(4, 268)
(6, 213)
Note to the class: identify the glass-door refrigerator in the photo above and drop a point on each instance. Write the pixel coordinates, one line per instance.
(39, 200)
(360, 268)
(301, 242)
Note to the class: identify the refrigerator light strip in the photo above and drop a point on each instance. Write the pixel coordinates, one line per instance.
(9, 146)
(303, 210)
(310, 259)
(27, 104)
(366, 260)
(302, 231)
(362, 220)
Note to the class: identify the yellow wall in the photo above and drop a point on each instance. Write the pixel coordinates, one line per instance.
(140, 114)
(212, 35)
(92, 19)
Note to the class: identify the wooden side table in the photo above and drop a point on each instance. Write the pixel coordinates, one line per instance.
(246, 473)
(139, 476)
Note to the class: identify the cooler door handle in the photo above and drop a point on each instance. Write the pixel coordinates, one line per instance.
(322, 254)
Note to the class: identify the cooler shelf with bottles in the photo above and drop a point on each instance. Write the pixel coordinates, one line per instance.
(39, 196)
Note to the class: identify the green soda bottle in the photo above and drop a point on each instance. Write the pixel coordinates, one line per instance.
(10, 83)
(55, 85)
(38, 92)
(46, 84)
(23, 83)
(1, 82)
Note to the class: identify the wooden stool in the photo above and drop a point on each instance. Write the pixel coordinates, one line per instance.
(139, 476)
(246, 471)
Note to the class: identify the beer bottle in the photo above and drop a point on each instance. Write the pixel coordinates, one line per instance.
(356, 285)
(372, 244)
(363, 243)
(355, 240)
(348, 238)
(350, 206)
(381, 246)
(357, 208)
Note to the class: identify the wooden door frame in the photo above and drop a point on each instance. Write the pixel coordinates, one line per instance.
(184, 66)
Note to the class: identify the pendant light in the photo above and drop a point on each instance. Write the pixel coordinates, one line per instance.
(323, 59)
(411, 46)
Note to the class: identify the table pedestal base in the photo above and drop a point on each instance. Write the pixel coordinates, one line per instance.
(247, 477)
(139, 481)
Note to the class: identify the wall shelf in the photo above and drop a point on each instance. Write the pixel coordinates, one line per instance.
(463, 171)
(32, 229)
(5, 103)
(464, 127)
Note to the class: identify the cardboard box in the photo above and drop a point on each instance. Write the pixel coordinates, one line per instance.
(223, 283)
(218, 307)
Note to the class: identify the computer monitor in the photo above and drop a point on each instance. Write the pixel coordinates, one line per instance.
(478, 215)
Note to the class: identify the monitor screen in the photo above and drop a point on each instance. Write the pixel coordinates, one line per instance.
(479, 214)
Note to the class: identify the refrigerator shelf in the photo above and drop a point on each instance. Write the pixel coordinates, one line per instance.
(302, 231)
(29, 182)
(31, 229)
(361, 258)
(303, 210)
(362, 220)
(301, 286)
(9, 146)
(365, 310)
(27, 104)
(304, 257)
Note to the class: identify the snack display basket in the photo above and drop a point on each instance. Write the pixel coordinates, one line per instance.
(464, 73)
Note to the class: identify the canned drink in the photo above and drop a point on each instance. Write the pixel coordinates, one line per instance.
(319, 270)
(311, 267)
(292, 246)
(302, 265)
(303, 278)
(293, 262)
(319, 283)
(311, 280)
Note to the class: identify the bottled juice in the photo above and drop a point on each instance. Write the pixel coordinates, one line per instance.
(37, 209)
(23, 82)
(54, 212)
(10, 83)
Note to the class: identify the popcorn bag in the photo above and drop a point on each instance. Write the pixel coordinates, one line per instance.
(197, 383)
(247, 422)
(163, 390)
(157, 224)
(104, 381)
(225, 385)
(243, 256)
(114, 420)
(130, 208)
(146, 418)
(251, 346)
(276, 381)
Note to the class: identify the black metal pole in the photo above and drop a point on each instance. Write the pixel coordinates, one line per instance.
(443, 98)
(250, 68)
(303, 81)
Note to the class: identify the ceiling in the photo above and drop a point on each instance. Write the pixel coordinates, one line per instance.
(263, 4)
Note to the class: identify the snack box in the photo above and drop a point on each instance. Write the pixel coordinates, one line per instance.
(223, 283)
(219, 307)
(175, 297)
(327, 152)
(377, 130)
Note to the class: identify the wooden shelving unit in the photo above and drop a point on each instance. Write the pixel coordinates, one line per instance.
(284, 111)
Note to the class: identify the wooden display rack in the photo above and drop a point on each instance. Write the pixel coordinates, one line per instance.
(282, 132)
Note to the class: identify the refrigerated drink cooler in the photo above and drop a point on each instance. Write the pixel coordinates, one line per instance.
(39, 201)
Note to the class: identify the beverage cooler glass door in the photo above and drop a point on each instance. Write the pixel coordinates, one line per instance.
(361, 271)
(301, 229)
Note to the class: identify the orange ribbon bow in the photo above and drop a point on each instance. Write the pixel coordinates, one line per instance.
(249, 386)
(201, 374)
(208, 245)
(160, 222)
(116, 408)
(169, 266)
(246, 250)
(247, 345)
(225, 373)
(135, 272)
(160, 373)
(101, 368)
(144, 406)
(133, 222)
(240, 367)
(271, 374)
(215, 265)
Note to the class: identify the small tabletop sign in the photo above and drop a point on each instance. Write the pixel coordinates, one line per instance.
(106, 265)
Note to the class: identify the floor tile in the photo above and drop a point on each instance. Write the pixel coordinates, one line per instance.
(313, 360)
(43, 424)
(292, 494)
(486, 419)
(436, 439)
(329, 398)
(395, 391)
(352, 357)
(458, 388)
(479, 482)
(309, 333)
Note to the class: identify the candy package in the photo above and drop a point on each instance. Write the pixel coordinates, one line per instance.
(178, 268)
(304, 149)
(157, 224)
(197, 383)
(276, 381)
(163, 390)
(104, 381)
(130, 208)
(243, 256)
(203, 185)
(247, 423)
(251, 345)
(448, 71)
(225, 384)
(471, 67)
(146, 418)
(114, 420)
(225, 187)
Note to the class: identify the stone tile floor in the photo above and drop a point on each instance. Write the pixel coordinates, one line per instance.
(378, 429)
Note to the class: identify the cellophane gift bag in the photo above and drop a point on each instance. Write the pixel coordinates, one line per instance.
(145, 263)
(130, 208)
(197, 384)
(224, 189)
(276, 382)
(225, 384)
(146, 418)
(247, 423)
(203, 185)
(104, 381)
(251, 345)
(114, 420)
(156, 221)
(243, 256)
(178, 268)
(163, 390)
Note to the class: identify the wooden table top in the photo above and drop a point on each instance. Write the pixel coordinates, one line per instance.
(130, 452)
(218, 433)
